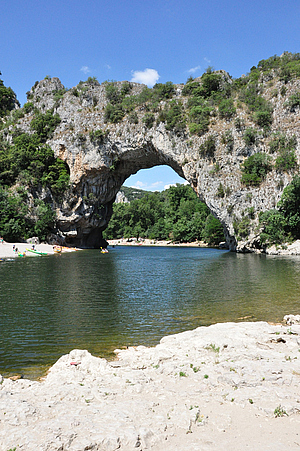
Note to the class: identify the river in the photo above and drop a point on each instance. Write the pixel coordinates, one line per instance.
(130, 296)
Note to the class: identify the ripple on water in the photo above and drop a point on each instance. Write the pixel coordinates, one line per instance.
(133, 295)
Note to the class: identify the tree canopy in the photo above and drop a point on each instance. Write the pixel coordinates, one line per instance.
(175, 214)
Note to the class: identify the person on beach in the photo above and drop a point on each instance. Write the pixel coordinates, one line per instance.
(14, 246)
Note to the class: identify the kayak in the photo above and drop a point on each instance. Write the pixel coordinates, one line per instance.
(36, 252)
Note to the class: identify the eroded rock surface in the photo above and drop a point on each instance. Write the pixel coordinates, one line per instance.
(231, 385)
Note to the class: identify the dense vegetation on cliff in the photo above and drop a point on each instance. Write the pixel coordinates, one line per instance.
(283, 224)
(175, 214)
(27, 167)
(236, 140)
(215, 95)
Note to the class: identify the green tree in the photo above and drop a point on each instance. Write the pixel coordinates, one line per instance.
(8, 99)
(45, 124)
(274, 226)
(255, 168)
(213, 232)
(175, 214)
(289, 206)
(227, 109)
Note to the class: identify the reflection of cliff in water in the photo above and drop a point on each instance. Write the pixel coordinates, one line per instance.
(258, 287)
(132, 295)
(168, 290)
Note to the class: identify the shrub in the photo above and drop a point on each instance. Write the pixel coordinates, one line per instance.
(286, 161)
(227, 109)
(242, 227)
(208, 147)
(164, 91)
(45, 124)
(239, 123)
(250, 136)
(263, 118)
(28, 107)
(228, 139)
(126, 88)
(210, 82)
(97, 136)
(255, 168)
(149, 120)
(133, 118)
(289, 205)
(273, 223)
(199, 129)
(213, 232)
(93, 81)
(199, 116)
(280, 142)
(293, 101)
(112, 93)
(220, 190)
(113, 113)
(286, 147)
(174, 117)
(8, 99)
(261, 108)
(15, 221)
(58, 94)
(191, 88)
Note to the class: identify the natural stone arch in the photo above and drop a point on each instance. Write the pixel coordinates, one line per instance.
(97, 188)
(99, 167)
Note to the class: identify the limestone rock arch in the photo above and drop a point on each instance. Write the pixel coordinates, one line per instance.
(99, 164)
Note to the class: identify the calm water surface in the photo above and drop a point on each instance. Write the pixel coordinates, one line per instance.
(133, 295)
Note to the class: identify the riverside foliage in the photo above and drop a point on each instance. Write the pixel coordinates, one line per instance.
(174, 214)
(28, 165)
(283, 224)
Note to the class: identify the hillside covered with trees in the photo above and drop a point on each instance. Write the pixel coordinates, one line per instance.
(175, 214)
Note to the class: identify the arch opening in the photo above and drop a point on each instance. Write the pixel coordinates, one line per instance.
(97, 189)
(167, 209)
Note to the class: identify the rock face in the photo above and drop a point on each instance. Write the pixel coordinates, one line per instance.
(99, 165)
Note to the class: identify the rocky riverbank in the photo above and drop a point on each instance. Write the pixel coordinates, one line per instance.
(226, 386)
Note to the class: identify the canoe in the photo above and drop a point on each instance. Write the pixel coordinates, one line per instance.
(36, 252)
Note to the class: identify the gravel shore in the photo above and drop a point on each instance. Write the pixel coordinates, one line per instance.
(231, 386)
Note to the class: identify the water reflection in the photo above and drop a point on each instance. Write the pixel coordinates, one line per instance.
(132, 296)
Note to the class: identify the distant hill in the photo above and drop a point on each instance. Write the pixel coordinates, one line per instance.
(133, 193)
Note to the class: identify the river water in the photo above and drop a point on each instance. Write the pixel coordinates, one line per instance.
(130, 296)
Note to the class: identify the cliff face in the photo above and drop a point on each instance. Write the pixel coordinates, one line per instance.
(99, 163)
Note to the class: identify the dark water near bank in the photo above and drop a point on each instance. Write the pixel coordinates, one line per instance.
(88, 300)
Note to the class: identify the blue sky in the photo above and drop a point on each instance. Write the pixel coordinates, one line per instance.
(150, 42)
